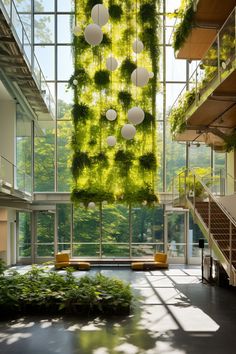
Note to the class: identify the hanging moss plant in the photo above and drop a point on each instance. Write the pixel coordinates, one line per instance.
(80, 112)
(80, 43)
(178, 113)
(148, 161)
(125, 99)
(144, 195)
(80, 160)
(115, 12)
(95, 194)
(90, 4)
(148, 121)
(124, 160)
(230, 142)
(147, 13)
(81, 76)
(101, 159)
(126, 69)
(102, 78)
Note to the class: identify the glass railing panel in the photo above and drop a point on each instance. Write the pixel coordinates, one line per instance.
(227, 46)
(7, 6)
(115, 250)
(27, 48)
(16, 23)
(86, 250)
(6, 172)
(28, 184)
(208, 68)
(146, 250)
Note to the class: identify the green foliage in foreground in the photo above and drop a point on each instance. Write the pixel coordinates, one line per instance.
(39, 291)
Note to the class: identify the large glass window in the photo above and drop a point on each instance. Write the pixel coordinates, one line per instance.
(23, 152)
(45, 234)
(24, 235)
(44, 151)
(64, 215)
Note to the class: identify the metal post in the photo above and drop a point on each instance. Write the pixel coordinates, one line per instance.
(230, 253)
(130, 230)
(101, 230)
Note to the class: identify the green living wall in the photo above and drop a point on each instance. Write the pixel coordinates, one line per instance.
(125, 172)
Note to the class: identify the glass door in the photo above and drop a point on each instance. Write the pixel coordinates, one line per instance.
(176, 239)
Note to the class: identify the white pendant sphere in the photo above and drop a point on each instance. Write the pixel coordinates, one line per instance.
(111, 140)
(151, 75)
(111, 114)
(128, 131)
(75, 82)
(140, 77)
(91, 205)
(77, 30)
(93, 34)
(137, 46)
(136, 115)
(100, 14)
(111, 63)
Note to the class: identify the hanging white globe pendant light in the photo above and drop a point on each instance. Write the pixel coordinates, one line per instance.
(77, 30)
(111, 63)
(91, 205)
(140, 77)
(93, 34)
(111, 140)
(100, 14)
(136, 115)
(128, 131)
(137, 46)
(111, 114)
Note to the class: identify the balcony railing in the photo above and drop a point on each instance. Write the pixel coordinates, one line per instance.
(9, 9)
(14, 179)
(217, 64)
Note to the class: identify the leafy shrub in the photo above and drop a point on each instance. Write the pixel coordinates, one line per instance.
(125, 99)
(115, 12)
(43, 292)
(148, 161)
(80, 160)
(80, 112)
(126, 69)
(102, 78)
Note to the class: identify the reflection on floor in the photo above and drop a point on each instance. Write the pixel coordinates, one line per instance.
(173, 313)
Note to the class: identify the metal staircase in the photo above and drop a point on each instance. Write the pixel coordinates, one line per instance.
(202, 196)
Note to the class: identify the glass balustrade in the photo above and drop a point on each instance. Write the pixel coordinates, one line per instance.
(9, 8)
(216, 65)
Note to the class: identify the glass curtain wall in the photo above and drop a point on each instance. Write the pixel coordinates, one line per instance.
(115, 231)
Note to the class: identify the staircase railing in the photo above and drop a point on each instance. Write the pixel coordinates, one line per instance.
(189, 188)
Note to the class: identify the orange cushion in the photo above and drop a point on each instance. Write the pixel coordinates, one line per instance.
(160, 257)
(62, 257)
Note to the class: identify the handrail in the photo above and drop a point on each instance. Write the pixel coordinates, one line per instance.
(185, 173)
(31, 58)
(220, 205)
(9, 173)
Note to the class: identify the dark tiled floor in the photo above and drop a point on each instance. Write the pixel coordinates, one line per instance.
(174, 313)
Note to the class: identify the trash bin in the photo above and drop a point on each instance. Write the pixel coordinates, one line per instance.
(207, 262)
(220, 276)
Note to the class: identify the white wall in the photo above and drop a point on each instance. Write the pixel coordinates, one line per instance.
(7, 137)
(229, 202)
(230, 171)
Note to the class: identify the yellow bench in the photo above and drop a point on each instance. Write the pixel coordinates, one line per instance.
(159, 262)
(63, 260)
